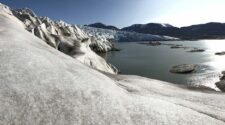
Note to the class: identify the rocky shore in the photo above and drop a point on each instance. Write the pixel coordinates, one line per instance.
(220, 53)
(221, 83)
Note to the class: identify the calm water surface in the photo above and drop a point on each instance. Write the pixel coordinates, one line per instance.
(156, 61)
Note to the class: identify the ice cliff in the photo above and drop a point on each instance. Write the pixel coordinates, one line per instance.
(64, 37)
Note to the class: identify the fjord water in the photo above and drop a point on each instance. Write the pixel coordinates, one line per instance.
(156, 61)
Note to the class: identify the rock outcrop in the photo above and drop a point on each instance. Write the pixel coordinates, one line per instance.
(183, 68)
(220, 53)
(196, 50)
(152, 43)
(221, 83)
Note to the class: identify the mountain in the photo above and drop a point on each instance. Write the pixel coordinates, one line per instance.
(103, 26)
(146, 28)
(202, 31)
(153, 28)
(211, 30)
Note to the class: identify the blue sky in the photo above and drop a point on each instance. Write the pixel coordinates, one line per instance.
(126, 12)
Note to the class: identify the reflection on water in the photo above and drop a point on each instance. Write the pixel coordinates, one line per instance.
(217, 62)
(155, 61)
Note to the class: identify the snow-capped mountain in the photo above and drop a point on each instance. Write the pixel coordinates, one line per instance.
(67, 38)
(152, 28)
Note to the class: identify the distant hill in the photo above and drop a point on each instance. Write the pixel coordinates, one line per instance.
(103, 26)
(211, 30)
(153, 28)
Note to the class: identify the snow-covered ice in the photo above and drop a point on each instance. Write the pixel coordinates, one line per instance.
(40, 85)
(67, 38)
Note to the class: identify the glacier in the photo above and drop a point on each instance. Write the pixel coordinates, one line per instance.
(67, 38)
(124, 36)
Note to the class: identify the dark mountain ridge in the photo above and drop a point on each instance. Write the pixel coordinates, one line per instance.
(103, 26)
(212, 30)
